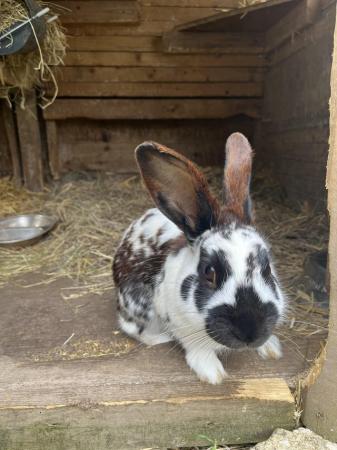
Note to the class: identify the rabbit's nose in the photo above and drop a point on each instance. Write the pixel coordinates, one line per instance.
(245, 328)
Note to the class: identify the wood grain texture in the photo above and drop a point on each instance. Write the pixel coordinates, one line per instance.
(99, 11)
(10, 162)
(151, 108)
(87, 89)
(146, 397)
(295, 124)
(161, 60)
(320, 407)
(30, 144)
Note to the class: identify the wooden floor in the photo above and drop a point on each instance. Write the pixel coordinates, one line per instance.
(68, 375)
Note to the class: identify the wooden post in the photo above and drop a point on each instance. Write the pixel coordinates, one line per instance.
(10, 133)
(320, 404)
(30, 143)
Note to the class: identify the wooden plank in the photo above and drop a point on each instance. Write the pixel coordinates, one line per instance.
(197, 42)
(247, 89)
(320, 29)
(161, 60)
(250, 415)
(99, 11)
(241, 12)
(12, 142)
(30, 144)
(150, 109)
(159, 74)
(114, 43)
(320, 411)
(102, 29)
(223, 4)
(52, 139)
(303, 15)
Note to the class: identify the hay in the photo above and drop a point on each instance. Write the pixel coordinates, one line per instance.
(22, 72)
(95, 209)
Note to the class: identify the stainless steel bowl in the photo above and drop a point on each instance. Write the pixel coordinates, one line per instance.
(25, 228)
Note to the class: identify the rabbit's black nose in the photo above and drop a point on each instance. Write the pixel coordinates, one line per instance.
(245, 328)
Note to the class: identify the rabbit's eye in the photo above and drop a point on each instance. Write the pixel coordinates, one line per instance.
(210, 275)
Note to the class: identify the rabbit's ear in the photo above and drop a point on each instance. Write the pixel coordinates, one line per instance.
(178, 188)
(238, 169)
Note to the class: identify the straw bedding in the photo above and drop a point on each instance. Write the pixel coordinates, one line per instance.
(94, 209)
(22, 72)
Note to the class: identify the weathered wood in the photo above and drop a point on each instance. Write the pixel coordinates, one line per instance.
(156, 74)
(52, 140)
(304, 14)
(320, 406)
(162, 60)
(99, 11)
(30, 144)
(199, 42)
(114, 141)
(151, 108)
(114, 44)
(7, 116)
(322, 27)
(224, 15)
(85, 89)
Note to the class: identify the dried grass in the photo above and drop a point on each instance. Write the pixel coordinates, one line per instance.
(22, 72)
(93, 211)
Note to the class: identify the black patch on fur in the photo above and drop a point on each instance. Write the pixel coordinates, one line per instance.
(268, 277)
(250, 265)
(186, 286)
(249, 322)
(218, 260)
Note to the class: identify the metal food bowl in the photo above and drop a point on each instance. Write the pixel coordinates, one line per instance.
(25, 229)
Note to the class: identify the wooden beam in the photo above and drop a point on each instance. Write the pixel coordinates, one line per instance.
(320, 405)
(150, 109)
(52, 139)
(303, 15)
(197, 42)
(30, 144)
(10, 134)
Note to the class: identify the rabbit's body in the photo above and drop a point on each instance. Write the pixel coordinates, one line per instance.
(200, 277)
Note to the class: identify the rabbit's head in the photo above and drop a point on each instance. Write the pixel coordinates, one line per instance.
(232, 285)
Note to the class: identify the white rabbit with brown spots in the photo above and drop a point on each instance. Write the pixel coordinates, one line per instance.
(195, 270)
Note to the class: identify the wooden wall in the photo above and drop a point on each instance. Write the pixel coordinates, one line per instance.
(118, 54)
(295, 126)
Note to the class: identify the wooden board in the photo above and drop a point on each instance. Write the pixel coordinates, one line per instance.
(320, 407)
(30, 143)
(147, 109)
(159, 74)
(162, 60)
(9, 149)
(114, 141)
(99, 11)
(87, 89)
(303, 15)
(199, 42)
(144, 397)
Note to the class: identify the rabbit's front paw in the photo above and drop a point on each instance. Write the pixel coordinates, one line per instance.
(271, 348)
(206, 365)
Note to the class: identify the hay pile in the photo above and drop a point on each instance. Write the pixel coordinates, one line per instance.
(22, 72)
(95, 209)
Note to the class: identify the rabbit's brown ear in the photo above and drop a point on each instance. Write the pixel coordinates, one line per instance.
(178, 188)
(238, 169)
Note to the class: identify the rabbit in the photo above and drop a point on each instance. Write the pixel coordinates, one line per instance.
(195, 270)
